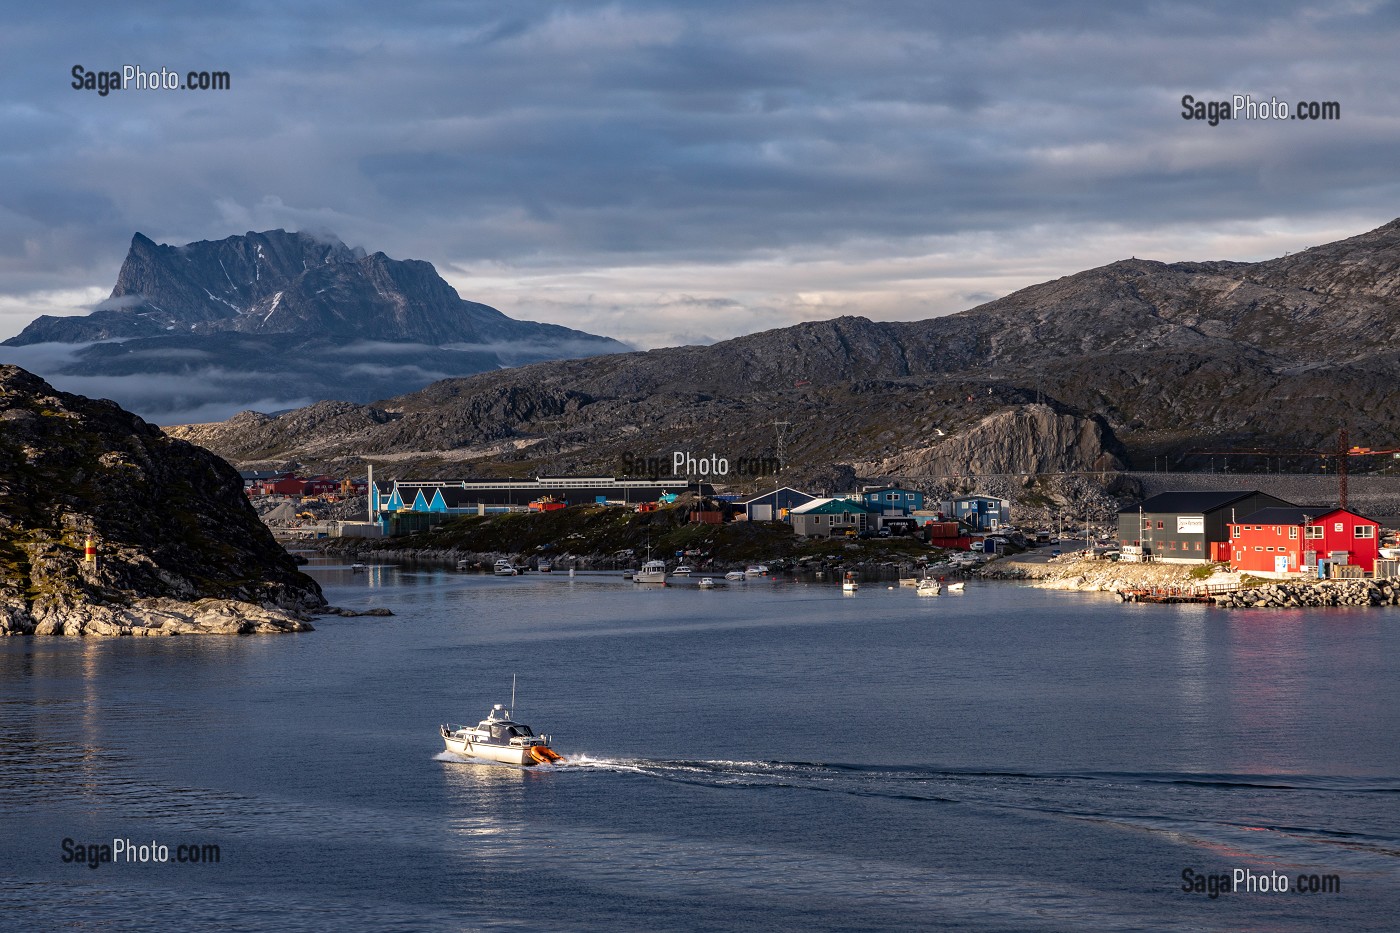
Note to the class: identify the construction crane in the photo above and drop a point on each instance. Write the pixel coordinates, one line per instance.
(1343, 452)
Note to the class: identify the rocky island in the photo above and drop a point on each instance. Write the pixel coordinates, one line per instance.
(175, 546)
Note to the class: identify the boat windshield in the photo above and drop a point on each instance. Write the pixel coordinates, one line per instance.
(505, 731)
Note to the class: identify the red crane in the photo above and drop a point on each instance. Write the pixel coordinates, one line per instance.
(1343, 452)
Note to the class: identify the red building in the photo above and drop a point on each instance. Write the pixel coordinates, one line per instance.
(291, 486)
(1285, 540)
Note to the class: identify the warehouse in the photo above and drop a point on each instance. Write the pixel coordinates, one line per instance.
(1188, 527)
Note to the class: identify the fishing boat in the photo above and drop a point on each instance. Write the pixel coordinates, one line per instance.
(653, 571)
(850, 584)
(504, 568)
(928, 587)
(499, 737)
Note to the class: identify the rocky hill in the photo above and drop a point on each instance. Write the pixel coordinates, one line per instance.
(1106, 367)
(293, 315)
(179, 547)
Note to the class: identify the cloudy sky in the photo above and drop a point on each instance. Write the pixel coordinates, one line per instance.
(683, 172)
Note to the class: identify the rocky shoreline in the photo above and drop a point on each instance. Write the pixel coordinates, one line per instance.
(1113, 577)
(150, 617)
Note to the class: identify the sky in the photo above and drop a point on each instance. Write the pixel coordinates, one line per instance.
(670, 173)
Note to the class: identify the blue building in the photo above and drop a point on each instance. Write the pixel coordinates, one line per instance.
(980, 513)
(892, 500)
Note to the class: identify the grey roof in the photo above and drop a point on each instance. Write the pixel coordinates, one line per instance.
(1276, 515)
(1192, 503)
(773, 492)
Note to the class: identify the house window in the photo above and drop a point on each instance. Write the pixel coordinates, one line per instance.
(1365, 531)
(1234, 531)
(1198, 545)
(1172, 545)
(1293, 533)
(1313, 531)
(1258, 548)
(1337, 526)
(1269, 548)
(1161, 525)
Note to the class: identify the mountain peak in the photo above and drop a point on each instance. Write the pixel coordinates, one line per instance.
(275, 316)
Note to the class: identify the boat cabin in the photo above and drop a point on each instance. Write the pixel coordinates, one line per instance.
(500, 728)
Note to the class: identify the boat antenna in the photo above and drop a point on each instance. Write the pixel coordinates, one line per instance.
(512, 694)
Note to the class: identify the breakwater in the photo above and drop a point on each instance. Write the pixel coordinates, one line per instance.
(1317, 594)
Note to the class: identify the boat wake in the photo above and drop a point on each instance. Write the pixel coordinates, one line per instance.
(1135, 801)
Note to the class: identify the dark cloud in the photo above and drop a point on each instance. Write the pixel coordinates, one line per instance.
(569, 137)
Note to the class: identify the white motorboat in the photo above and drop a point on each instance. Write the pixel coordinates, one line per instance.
(504, 568)
(956, 587)
(499, 738)
(849, 584)
(735, 575)
(928, 587)
(706, 582)
(756, 570)
(546, 567)
(653, 571)
(358, 568)
(682, 571)
(1390, 553)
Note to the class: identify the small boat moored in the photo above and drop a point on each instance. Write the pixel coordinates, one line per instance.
(850, 584)
(498, 737)
(504, 568)
(706, 582)
(682, 571)
(928, 587)
(653, 571)
(735, 575)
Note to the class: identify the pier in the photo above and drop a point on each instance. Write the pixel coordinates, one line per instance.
(1200, 593)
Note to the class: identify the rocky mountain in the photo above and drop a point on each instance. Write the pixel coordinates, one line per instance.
(279, 315)
(1105, 367)
(179, 548)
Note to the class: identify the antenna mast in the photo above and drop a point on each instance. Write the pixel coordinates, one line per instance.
(512, 694)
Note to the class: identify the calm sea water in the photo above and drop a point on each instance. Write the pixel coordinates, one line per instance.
(768, 755)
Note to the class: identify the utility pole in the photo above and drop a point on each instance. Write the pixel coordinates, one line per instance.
(780, 429)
